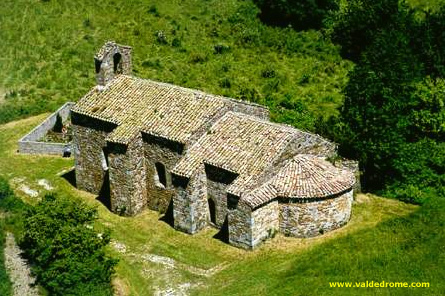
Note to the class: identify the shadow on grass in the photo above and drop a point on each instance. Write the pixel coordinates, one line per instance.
(70, 176)
(223, 233)
(168, 216)
(104, 194)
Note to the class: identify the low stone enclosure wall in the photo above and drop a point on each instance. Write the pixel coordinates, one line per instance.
(31, 144)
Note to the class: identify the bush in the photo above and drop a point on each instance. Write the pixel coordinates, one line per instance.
(393, 115)
(301, 15)
(355, 26)
(8, 201)
(67, 254)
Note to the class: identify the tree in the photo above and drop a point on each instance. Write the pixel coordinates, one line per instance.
(67, 254)
(393, 117)
(359, 21)
(300, 14)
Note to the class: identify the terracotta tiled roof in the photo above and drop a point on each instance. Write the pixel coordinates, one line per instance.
(303, 177)
(156, 108)
(238, 143)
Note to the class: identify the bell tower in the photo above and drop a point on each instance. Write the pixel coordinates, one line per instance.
(112, 59)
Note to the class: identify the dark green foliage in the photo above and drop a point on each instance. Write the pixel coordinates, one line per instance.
(176, 42)
(5, 195)
(430, 42)
(8, 201)
(393, 118)
(67, 254)
(221, 48)
(357, 24)
(301, 14)
(5, 282)
(12, 222)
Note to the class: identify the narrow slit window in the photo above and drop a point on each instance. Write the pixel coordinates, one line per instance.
(161, 174)
(116, 60)
(104, 159)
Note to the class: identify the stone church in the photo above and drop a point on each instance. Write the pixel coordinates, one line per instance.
(208, 159)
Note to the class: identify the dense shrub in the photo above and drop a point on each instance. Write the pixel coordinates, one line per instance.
(8, 201)
(359, 21)
(67, 253)
(301, 14)
(393, 117)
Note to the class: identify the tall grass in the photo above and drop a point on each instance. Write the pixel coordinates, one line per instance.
(217, 46)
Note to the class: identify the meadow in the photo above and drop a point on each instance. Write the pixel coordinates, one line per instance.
(385, 240)
(218, 46)
(215, 46)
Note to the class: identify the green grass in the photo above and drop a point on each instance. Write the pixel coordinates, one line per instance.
(385, 240)
(5, 283)
(48, 47)
(431, 5)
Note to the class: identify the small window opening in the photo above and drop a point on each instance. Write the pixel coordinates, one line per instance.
(104, 159)
(232, 201)
(116, 60)
(98, 64)
(160, 176)
(212, 210)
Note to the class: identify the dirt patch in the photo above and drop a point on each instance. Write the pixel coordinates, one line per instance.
(362, 198)
(45, 184)
(28, 191)
(168, 273)
(18, 269)
(120, 288)
(171, 263)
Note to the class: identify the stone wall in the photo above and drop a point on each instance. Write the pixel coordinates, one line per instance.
(168, 153)
(240, 226)
(248, 108)
(217, 192)
(218, 180)
(112, 59)
(128, 192)
(88, 147)
(352, 166)
(31, 142)
(247, 228)
(307, 143)
(190, 207)
(265, 222)
(314, 217)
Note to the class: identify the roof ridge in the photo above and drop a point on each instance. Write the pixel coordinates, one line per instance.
(193, 90)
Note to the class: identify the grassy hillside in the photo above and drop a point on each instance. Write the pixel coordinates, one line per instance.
(217, 46)
(385, 240)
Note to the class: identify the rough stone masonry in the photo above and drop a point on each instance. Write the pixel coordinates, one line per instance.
(204, 159)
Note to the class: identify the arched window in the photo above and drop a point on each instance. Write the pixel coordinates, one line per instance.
(116, 60)
(160, 176)
(97, 65)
